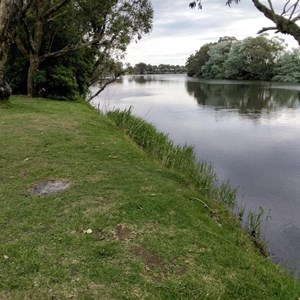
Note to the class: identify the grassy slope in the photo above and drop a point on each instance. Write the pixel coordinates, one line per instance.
(150, 239)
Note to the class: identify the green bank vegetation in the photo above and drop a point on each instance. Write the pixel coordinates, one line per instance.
(182, 159)
(126, 228)
(253, 58)
(143, 69)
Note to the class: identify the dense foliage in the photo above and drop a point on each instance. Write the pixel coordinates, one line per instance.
(254, 58)
(62, 47)
(143, 68)
(287, 68)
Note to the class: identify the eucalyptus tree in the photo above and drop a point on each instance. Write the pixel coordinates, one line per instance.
(285, 19)
(53, 28)
(253, 58)
(9, 12)
(287, 67)
(126, 21)
(218, 54)
(196, 61)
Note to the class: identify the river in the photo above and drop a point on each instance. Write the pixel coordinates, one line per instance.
(250, 131)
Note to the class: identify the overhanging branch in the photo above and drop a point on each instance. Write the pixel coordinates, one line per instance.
(103, 87)
(264, 29)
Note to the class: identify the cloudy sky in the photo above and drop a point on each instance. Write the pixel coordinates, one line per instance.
(179, 31)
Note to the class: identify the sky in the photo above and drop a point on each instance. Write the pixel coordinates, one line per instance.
(179, 31)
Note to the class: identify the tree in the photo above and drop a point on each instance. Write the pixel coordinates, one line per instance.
(218, 54)
(94, 34)
(127, 20)
(195, 62)
(253, 58)
(39, 37)
(140, 68)
(284, 21)
(287, 68)
(9, 11)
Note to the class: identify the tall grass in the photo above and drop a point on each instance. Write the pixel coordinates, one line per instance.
(180, 158)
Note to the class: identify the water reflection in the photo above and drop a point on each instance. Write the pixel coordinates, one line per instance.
(250, 100)
(141, 79)
(150, 79)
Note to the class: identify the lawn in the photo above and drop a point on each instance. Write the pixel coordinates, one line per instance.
(125, 228)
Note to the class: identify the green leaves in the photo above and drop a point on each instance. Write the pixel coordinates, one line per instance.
(287, 68)
(251, 58)
(77, 45)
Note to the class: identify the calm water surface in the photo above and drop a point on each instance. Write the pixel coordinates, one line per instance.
(250, 131)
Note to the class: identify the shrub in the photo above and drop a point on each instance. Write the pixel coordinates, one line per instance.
(62, 83)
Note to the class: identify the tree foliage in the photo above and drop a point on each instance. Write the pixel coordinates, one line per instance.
(287, 68)
(143, 69)
(195, 62)
(64, 46)
(218, 54)
(254, 58)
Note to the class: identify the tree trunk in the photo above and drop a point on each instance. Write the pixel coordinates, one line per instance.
(8, 12)
(32, 70)
(34, 58)
(5, 90)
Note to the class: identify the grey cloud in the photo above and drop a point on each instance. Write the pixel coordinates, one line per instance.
(173, 19)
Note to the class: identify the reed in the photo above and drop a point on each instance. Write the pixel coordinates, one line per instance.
(180, 158)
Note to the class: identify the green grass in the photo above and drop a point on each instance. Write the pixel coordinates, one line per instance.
(154, 236)
(200, 175)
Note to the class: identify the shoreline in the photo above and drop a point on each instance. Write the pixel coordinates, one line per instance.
(125, 224)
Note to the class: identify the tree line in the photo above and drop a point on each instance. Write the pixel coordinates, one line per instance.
(59, 48)
(143, 68)
(253, 58)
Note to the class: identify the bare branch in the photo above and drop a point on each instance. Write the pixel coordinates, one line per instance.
(285, 10)
(271, 6)
(59, 52)
(21, 46)
(51, 19)
(102, 88)
(26, 6)
(283, 24)
(264, 29)
(69, 48)
(55, 8)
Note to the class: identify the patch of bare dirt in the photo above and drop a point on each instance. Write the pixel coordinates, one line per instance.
(105, 199)
(122, 233)
(48, 187)
(152, 260)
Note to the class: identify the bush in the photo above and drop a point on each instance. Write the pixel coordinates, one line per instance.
(62, 84)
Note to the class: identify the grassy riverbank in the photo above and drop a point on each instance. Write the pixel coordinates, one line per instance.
(152, 235)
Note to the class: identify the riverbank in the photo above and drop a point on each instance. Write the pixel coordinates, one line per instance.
(126, 228)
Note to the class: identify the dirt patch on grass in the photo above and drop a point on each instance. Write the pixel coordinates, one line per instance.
(122, 233)
(152, 260)
(48, 187)
(157, 268)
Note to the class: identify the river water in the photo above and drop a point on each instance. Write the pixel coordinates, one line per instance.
(250, 131)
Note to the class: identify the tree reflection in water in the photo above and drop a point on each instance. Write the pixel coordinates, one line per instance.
(251, 100)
